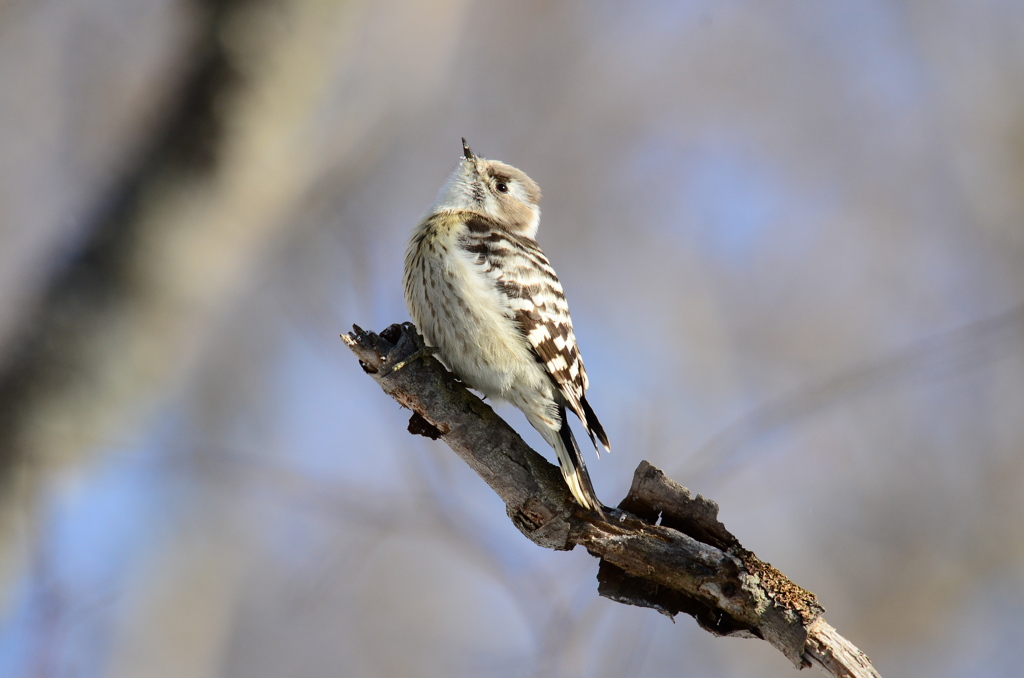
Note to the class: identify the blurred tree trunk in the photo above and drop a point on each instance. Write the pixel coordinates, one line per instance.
(124, 321)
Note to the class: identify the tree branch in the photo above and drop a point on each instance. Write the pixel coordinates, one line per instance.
(688, 563)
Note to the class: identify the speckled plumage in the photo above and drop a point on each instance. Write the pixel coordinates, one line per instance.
(481, 292)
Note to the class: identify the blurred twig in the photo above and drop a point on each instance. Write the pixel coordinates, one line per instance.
(946, 352)
(661, 549)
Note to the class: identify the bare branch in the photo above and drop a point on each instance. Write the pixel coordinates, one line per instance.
(689, 562)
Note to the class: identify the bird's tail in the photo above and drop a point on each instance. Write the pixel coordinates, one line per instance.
(573, 469)
(593, 426)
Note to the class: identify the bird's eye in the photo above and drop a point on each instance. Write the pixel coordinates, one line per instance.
(502, 187)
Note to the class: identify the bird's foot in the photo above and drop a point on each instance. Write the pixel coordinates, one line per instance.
(422, 352)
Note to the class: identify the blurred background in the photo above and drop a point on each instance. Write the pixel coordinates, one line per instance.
(791, 233)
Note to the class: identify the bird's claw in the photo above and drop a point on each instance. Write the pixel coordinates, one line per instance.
(422, 352)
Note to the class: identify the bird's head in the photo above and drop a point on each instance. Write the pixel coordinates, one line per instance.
(494, 190)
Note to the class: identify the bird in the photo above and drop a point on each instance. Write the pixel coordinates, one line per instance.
(488, 304)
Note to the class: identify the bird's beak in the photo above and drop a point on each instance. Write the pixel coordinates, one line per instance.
(465, 149)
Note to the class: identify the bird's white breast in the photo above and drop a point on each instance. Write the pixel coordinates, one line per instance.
(459, 309)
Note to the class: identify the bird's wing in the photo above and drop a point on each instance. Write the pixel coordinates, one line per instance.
(525, 277)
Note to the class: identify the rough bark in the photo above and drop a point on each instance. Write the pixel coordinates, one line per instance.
(661, 548)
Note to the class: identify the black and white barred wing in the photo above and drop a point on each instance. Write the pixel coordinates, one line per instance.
(522, 272)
